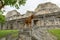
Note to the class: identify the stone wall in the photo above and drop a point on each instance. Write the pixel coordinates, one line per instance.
(8, 37)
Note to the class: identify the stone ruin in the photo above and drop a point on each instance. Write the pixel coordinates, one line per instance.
(46, 16)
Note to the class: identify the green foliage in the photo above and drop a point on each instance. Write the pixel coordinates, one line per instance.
(1, 12)
(15, 3)
(9, 2)
(2, 17)
(4, 33)
(55, 32)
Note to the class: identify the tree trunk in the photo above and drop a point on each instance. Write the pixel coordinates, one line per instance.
(1, 4)
(1, 26)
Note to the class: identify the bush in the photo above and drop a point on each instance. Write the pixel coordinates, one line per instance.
(55, 32)
(4, 33)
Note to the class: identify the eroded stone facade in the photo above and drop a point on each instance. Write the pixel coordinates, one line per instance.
(47, 15)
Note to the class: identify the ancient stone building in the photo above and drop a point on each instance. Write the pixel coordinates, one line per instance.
(46, 14)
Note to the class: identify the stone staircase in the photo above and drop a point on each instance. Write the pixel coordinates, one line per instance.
(42, 34)
(37, 33)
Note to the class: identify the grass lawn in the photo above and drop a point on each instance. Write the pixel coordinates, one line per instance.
(55, 32)
(3, 33)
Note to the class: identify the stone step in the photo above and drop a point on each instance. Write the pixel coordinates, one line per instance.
(42, 34)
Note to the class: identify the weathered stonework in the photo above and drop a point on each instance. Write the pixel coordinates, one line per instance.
(47, 16)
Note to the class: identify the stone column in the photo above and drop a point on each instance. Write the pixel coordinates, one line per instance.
(0, 26)
(44, 20)
(54, 20)
(16, 24)
(32, 23)
(7, 25)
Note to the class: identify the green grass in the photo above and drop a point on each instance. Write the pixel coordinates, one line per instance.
(55, 32)
(4, 33)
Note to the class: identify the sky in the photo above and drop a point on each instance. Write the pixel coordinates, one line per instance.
(30, 5)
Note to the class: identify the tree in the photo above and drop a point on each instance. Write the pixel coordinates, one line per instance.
(15, 3)
(2, 19)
